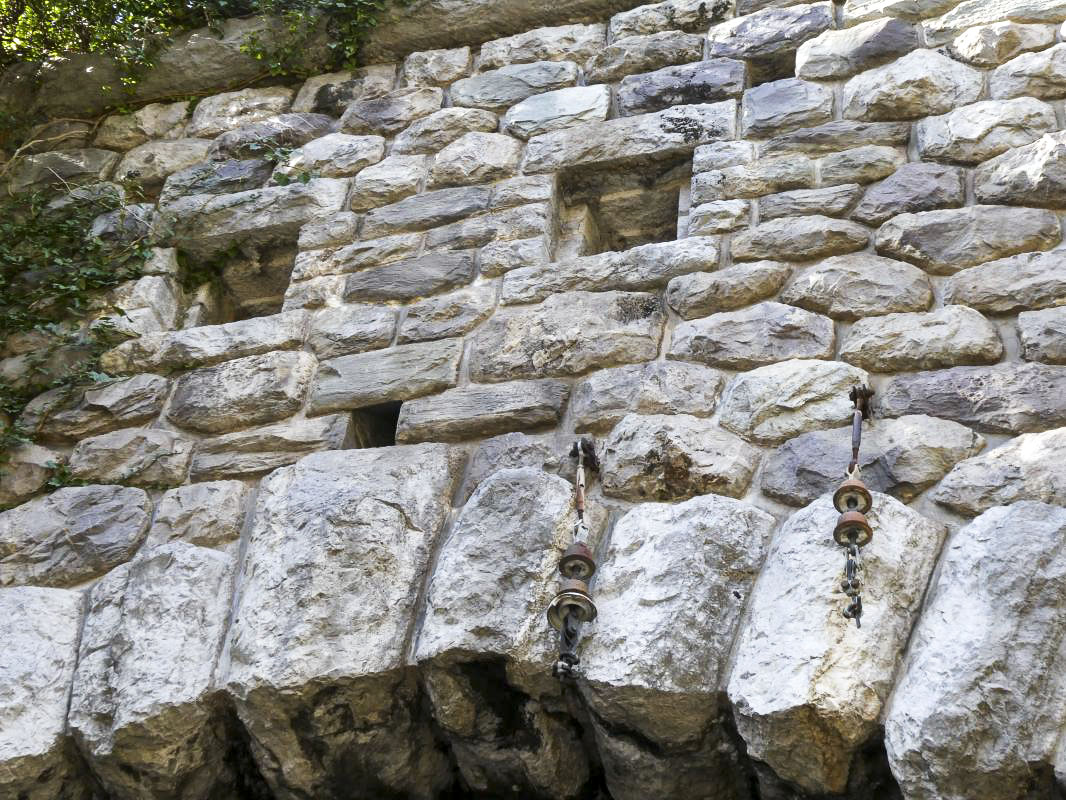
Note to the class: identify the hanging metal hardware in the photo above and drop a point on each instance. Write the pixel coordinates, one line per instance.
(853, 500)
(573, 604)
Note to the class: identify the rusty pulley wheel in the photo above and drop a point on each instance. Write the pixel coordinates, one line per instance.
(577, 562)
(852, 495)
(573, 599)
(853, 528)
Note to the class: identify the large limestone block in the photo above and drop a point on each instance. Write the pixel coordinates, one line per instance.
(1040, 74)
(332, 92)
(1029, 467)
(718, 216)
(642, 53)
(426, 210)
(560, 43)
(685, 15)
(840, 135)
(992, 44)
(42, 170)
(841, 54)
(411, 278)
(643, 267)
(859, 285)
(860, 10)
(149, 164)
(568, 334)
(349, 256)
(807, 685)
(773, 403)
(153, 121)
(988, 642)
(946, 241)
(222, 112)
(1018, 283)
(74, 534)
(142, 704)
(703, 293)
(441, 128)
(861, 164)
(921, 83)
(977, 132)
(208, 344)
(761, 334)
(283, 132)
(476, 411)
(980, 12)
(949, 336)
(26, 471)
(335, 155)
(901, 457)
(753, 179)
(562, 108)
(663, 134)
(336, 558)
(832, 201)
(215, 177)
(112, 405)
(1033, 175)
(40, 629)
(503, 87)
(451, 314)
(1005, 398)
(476, 158)
(353, 328)
(658, 387)
(390, 113)
(1043, 335)
(671, 591)
(436, 67)
(673, 457)
(782, 105)
(769, 33)
(916, 186)
(147, 457)
(388, 181)
(702, 82)
(484, 632)
(799, 239)
(257, 450)
(205, 514)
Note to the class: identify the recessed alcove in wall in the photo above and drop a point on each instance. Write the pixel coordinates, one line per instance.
(620, 207)
(375, 426)
(254, 281)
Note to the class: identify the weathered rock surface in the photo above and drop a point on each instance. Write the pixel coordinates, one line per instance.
(451, 314)
(560, 43)
(673, 457)
(785, 104)
(634, 54)
(476, 158)
(831, 201)
(753, 179)
(390, 113)
(552, 111)
(141, 705)
(205, 514)
(153, 121)
(1006, 398)
(25, 473)
(411, 278)
(281, 132)
(384, 376)
(840, 135)
(222, 112)
(1040, 74)
(149, 164)
(382, 510)
(240, 393)
(1007, 285)
(718, 216)
(992, 44)
(41, 170)
(333, 92)
(431, 133)
(1043, 335)
(761, 334)
(40, 629)
(113, 405)
(1032, 175)
(808, 688)
(436, 67)
(603, 398)
(72, 535)
(702, 82)
(769, 33)
(1002, 618)
(515, 451)
(921, 83)
(703, 293)
(976, 12)
(671, 592)
(977, 132)
(352, 328)
(840, 54)
(913, 187)
(773, 403)
(335, 155)
(391, 179)
(901, 457)
(860, 10)
(800, 239)
(426, 210)
(497, 89)
(943, 242)
(859, 285)
(567, 334)
(215, 177)
(685, 15)
(475, 411)
(136, 456)
(861, 164)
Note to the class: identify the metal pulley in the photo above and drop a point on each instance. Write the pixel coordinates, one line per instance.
(574, 600)
(853, 528)
(853, 500)
(852, 495)
(577, 562)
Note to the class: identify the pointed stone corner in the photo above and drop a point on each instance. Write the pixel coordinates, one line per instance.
(807, 685)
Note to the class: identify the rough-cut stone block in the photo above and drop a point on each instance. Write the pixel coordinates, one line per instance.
(943, 242)
(761, 334)
(861, 164)
(389, 180)
(153, 121)
(808, 688)
(980, 12)
(149, 164)
(1043, 335)
(830, 201)
(499, 88)
(205, 514)
(603, 398)
(392, 112)
(773, 403)
(344, 258)
(215, 177)
(516, 451)
(40, 629)
(799, 239)
(568, 334)
(1032, 175)
(562, 108)
(427, 210)
(646, 136)
(451, 314)
(561, 43)
(441, 128)
(1005, 620)
(977, 132)
(135, 456)
(703, 82)
(762, 177)
(859, 285)
(770, 33)
(991, 45)
(142, 705)
(411, 278)
(643, 267)
(901, 457)
(719, 155)
(498, 258)
(859, 10)
(1040, 74)
(352, 328)
(282, 131)
(41, 170)
(477, 411)
(72, 535)
(385, 376)
(911, 188)
(113, 405)
(364, 523)
(333, 92)
(635, 54)
(840, 135)
(26, 471)
(703, 293)
(1018, 283)
(950, 336)
(436, 67)
(921, 83)
(1006, 398)
(782, 105)
(671, 15)
(674, 457)
(476, 158)
(334, 156)
(719, 216)
(257, 450)
(671, 591)
(841, 54)
(222, 112)
(243, 392)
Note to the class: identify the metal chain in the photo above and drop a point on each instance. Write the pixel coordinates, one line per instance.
(852, 583)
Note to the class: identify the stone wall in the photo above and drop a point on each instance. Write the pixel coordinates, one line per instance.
(324, 505)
